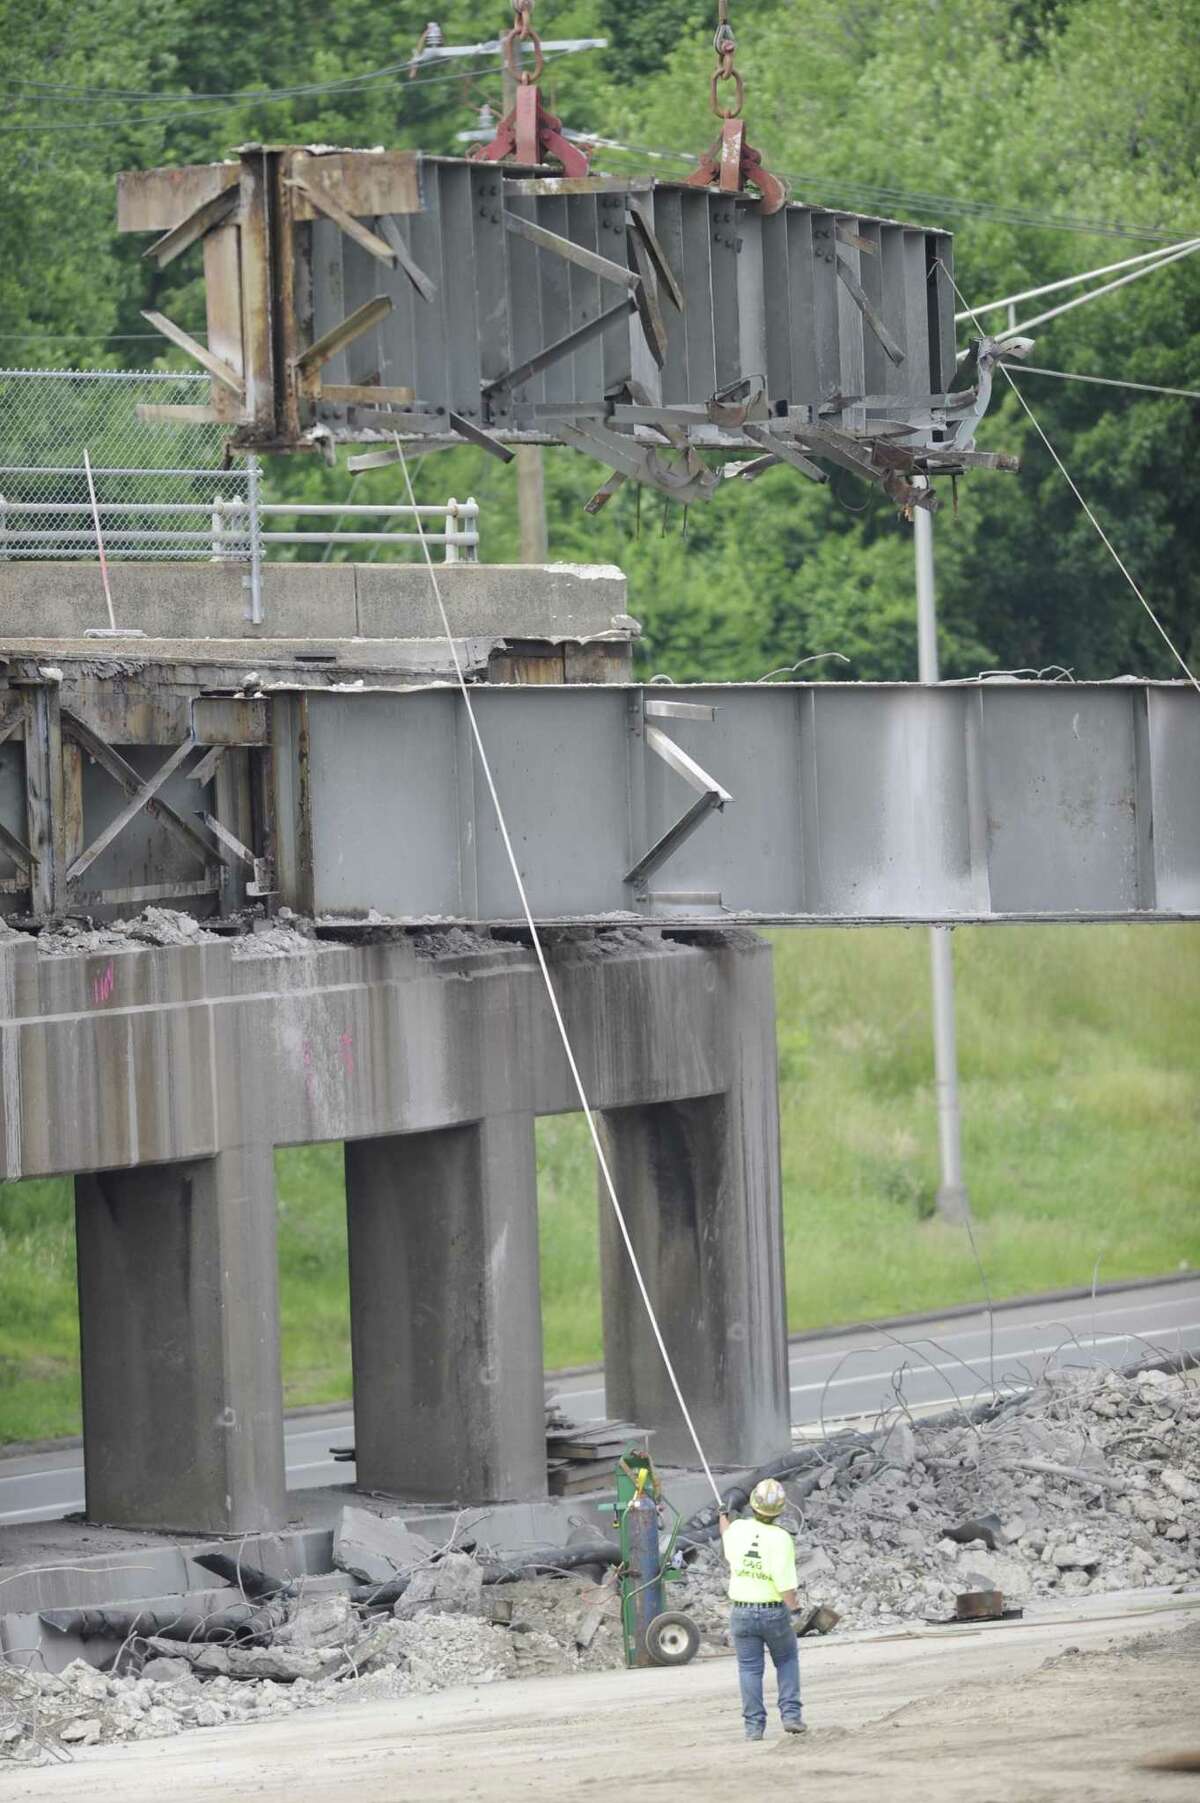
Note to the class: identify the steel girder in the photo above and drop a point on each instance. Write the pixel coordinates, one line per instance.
(804, 803)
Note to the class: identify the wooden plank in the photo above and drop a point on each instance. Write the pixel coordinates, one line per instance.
(591, 260)
(344, 333)
(215, 366)
(366, 183)
(156, 200)
(13, 722)
(181, 237)
(333, 209)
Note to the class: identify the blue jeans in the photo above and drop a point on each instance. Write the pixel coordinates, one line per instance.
(759, 1628)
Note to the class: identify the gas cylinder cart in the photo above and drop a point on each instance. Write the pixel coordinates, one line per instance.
(653, 1633)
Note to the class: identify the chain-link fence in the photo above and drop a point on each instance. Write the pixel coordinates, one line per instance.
(158, 488)
(123, 464)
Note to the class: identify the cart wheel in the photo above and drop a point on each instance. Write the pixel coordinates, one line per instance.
(672, 1639)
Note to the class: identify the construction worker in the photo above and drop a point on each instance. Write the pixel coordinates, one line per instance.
(762, 1588)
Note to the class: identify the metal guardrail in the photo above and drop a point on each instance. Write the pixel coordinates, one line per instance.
(162, 490)
(459, 535)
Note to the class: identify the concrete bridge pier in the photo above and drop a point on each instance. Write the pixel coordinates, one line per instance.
(445, 1312)
(170, 1073)
(698, 1180)
(179, 1337)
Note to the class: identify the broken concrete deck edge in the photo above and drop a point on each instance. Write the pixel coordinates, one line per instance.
(332, 601)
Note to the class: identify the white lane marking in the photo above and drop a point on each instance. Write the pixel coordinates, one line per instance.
(48, 1512)
(321, 1465)
(916, 1337)
(25, 1477)
(916, 1370)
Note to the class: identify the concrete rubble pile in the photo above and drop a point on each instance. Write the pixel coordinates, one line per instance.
(1088, 1483)
(459, 1618)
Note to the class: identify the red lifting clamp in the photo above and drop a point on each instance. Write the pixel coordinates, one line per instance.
(733, 164)
(530, 133)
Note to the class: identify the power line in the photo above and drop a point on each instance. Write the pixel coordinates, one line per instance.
(206, 107)
(49, 93)
(492, 47)
(949, 204)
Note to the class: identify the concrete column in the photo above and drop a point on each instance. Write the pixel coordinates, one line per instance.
(699, 1184)
(179, 1327)
(445, 1306)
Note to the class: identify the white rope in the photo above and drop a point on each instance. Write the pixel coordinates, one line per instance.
(1074, 488)
(554, 1005)
(1071, 375)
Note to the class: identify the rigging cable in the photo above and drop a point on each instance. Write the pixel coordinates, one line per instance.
(584, 1104)
(1073, 375)
(1075, 490)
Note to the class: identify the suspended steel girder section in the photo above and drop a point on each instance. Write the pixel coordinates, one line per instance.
(357, 296)
(818, 803)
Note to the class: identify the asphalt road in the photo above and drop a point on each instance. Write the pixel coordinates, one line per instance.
(833, 1377)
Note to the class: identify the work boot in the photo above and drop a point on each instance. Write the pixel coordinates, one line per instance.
(754, 1733)
(794, 1728)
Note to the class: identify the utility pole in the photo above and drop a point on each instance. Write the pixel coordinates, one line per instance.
(952, 1200)
(531, 473)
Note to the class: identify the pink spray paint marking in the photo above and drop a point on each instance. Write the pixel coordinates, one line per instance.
(346, 1051)
(104, 985)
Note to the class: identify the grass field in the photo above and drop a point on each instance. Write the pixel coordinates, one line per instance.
(1079, 1052)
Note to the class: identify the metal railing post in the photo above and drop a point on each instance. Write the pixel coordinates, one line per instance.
(471, 552)
(451, 551)
(218, 529)
(254, 580)
(3, 529)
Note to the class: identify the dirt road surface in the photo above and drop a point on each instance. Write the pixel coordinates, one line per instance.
(1060, 1711)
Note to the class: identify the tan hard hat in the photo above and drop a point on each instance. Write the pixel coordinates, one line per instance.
(768, 1498)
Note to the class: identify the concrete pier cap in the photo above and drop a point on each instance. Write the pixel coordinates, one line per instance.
(162, 1077)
